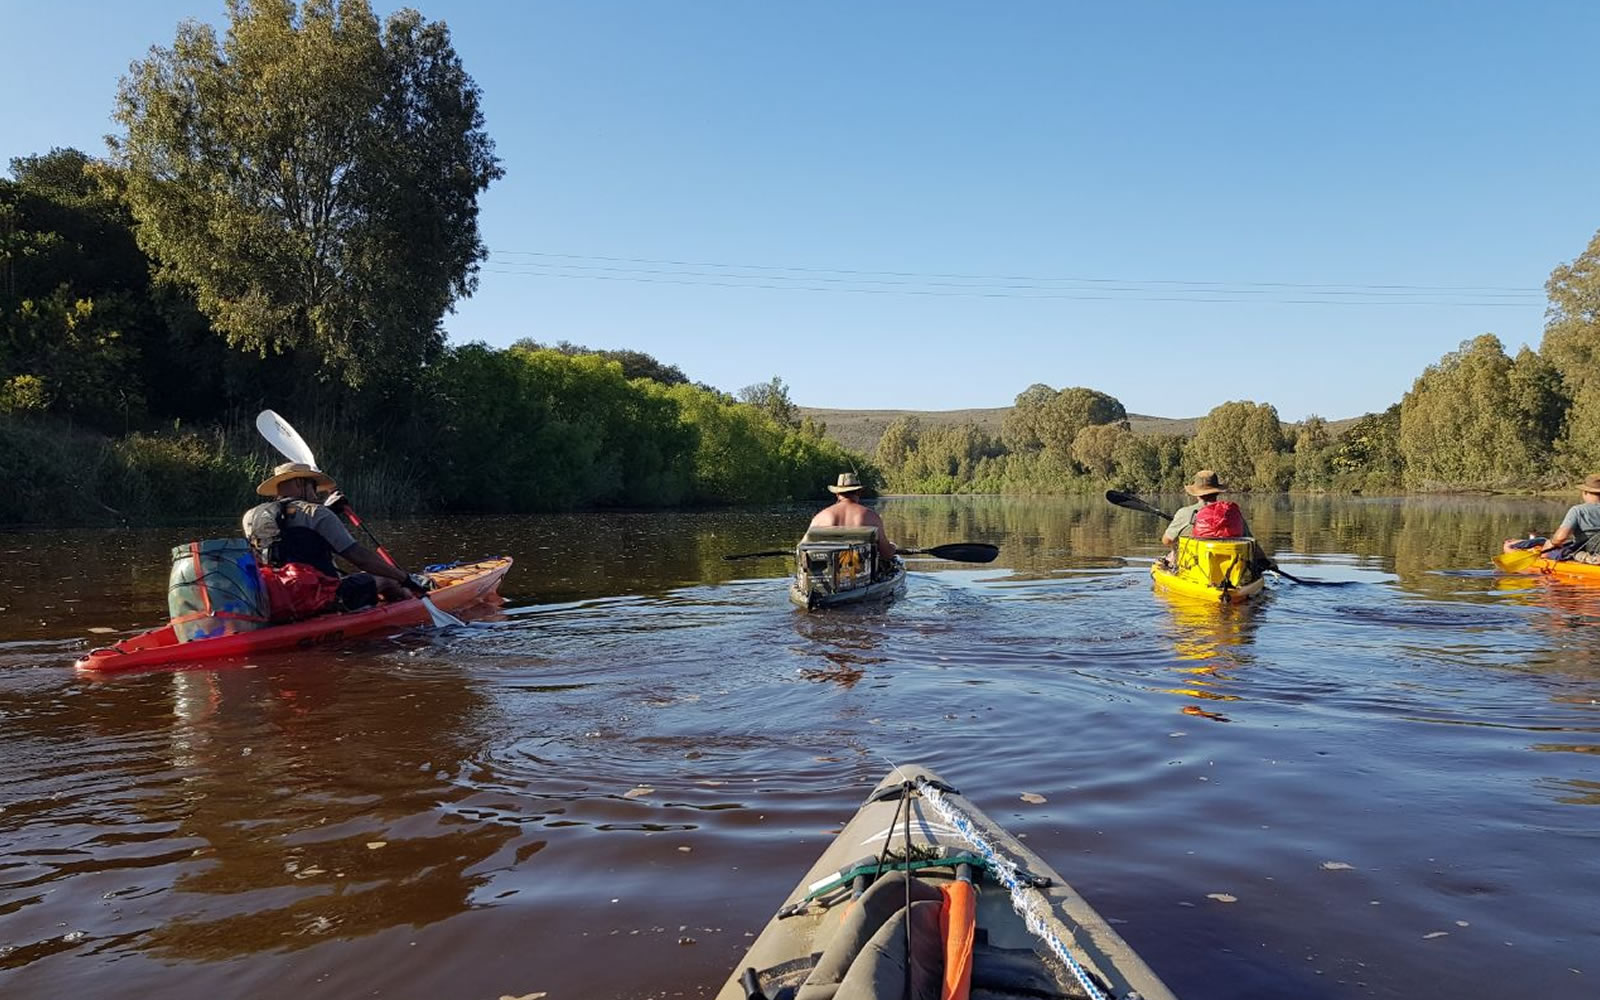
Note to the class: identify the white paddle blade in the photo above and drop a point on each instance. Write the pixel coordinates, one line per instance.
(283, 437)
(440, 617)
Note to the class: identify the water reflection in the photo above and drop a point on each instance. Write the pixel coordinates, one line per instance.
(846, 640)
(1211, 641)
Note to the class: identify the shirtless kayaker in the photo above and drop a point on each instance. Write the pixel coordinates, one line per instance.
(849, 512)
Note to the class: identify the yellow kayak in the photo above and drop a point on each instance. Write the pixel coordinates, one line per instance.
(1220, 570)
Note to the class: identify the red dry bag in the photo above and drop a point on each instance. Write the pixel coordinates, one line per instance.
(1219, 520)
(297, 591)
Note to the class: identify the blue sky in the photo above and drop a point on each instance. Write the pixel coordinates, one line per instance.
(935, 205)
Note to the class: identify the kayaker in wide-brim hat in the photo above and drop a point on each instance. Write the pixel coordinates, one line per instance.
(849, 512)
(1207, 488)
(294, 470)
(1579, 534)
(295, 539)
(1206, 484)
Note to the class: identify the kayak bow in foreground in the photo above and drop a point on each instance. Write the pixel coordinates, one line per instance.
(987, 917)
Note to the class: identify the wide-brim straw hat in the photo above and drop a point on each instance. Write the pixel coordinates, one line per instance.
(293, 470)
(1205, 485)
(1590, 485)
(848, 483)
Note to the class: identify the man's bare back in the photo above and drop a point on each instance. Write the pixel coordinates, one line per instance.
(851, 513)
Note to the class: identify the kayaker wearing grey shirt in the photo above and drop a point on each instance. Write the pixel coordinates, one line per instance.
(1580, 527)
(1208, 489)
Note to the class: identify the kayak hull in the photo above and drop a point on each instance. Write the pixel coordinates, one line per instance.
(1566, 569)
(787, 948)
(455, 588)
(877, 591)
(1180, 586)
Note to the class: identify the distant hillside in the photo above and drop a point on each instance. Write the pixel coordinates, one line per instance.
(861, 429)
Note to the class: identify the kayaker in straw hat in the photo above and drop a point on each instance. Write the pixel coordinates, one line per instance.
(1579, 534)
(849, 512)
(295, 539)
(1206, 489)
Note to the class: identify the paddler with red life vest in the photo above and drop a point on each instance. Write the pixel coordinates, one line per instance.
(1218, 522)
(295, 539)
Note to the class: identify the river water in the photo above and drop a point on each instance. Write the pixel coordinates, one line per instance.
(1387, 789)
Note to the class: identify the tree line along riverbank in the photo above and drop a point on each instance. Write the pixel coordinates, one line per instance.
(256, 237)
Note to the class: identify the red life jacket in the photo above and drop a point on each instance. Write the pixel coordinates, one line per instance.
(1219, 520)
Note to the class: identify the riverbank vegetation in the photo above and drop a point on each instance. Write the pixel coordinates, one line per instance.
(291, 209)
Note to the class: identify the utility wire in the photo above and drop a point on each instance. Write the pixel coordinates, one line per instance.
(1195, 295)
(537, 267)
(1508, 290)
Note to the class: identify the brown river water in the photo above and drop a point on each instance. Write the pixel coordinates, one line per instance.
(1387, 789)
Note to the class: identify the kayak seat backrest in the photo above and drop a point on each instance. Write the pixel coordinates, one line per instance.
(835, 559)
(1217, 562)
(867, 951)
(845, 535)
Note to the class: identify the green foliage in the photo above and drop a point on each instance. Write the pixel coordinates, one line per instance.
(1477, 419)
(1579, 445)
(1367, 455)
(773, 398)
(1572, 329)
(1150, 463)
(312, 177)
(1045, 419)
(1241, 441)
(59, 474)
(635, 364)
(743, 455)
(77, 309)
(1095, 447)
(522, 430)
(1313, 455)
(942, 459)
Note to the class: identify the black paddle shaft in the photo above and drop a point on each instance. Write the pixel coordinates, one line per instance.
(1132, 502)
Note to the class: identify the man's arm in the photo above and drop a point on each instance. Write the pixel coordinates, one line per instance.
(1182, 519)
(368, 561)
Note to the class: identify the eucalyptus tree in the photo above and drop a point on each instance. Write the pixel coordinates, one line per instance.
(1478, 419)
(312, 177)
(1242, 441)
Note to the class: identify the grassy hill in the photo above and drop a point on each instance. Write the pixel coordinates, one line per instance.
(861, 429)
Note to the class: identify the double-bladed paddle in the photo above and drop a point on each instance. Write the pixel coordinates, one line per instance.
(972, 552)
(1132, 502)
(1517, 560)
(282, 436)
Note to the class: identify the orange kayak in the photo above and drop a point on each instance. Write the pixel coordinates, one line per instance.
(453, 589)
(1565, 568)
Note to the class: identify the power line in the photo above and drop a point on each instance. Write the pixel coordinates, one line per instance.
(1197, 295)
(1509, 290)
(1218, 289)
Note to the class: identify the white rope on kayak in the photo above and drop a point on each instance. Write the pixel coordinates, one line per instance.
(1024, 903)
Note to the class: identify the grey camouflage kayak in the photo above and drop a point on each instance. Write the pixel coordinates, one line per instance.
(980, 915)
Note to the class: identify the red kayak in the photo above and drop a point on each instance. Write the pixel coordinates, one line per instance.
(453, 589)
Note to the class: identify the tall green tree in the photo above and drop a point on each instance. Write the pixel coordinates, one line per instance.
(1474, 421)
(312, 176)
(1572, 322)
(1313, 454)
(1241, 440)
(1367, 454)
(772, 398)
